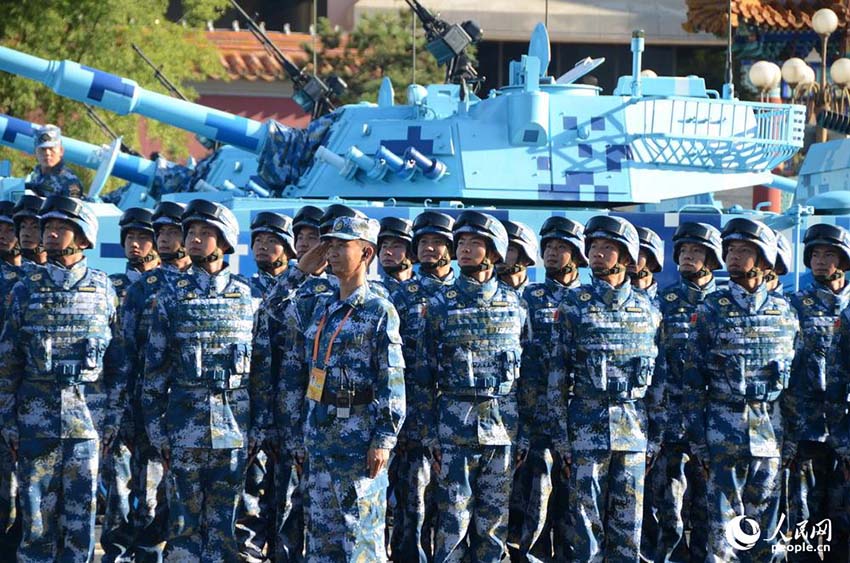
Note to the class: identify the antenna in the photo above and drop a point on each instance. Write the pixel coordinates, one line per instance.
(546, 15)
(729, 86)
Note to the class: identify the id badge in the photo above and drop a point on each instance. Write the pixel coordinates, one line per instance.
(317, 384)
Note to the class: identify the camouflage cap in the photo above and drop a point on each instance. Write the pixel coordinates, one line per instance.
(48, 136)
(354, 228)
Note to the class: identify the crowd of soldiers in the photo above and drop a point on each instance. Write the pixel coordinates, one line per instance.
(442, 413)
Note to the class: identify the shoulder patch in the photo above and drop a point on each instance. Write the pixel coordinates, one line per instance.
(807, 301)
(538, 292)
(413, 288)
(182, 283)
(671, 297)
(724, 301)
(35, 277)
(451, 294)
(10, 275)
(118, 283)
(585, 296)
(152, 279)
(321, 287)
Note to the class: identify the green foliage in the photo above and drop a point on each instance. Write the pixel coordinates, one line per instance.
(380, 45)
(99, 34)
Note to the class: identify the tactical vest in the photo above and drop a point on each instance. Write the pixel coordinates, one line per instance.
(413, 297)
(818, 326)
(676, 314)
(615, 348)
(67, 330)
(751, 358)
(479, 353)
(543, 301)
(213, 334)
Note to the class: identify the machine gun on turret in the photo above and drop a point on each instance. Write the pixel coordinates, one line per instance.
(108, 130)
(448, 44)
(314, 95)
(157, 73)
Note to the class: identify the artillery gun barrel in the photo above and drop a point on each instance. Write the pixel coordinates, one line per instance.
(124, 96)
(20, 135)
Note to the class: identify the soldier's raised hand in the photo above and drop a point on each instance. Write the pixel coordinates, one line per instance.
(314, 261)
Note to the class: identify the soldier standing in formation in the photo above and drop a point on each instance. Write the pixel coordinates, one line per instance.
(206, 388)
(342, 398)
(432, 242)
(522, 255)
(61, 386)
(27, 228)
(395, 252)
(465, 395)
(50, 175)
(605, 352)
(737, 367)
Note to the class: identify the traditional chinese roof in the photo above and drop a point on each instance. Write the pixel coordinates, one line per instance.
(779, 15)
(244, 57)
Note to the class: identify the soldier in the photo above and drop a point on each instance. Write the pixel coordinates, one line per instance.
(540, 514)
(679, 481)
(432, 242)
(28, 231)
(827, 255)
(736, 369)
(61, 386)
(522, 254)
(305, 226)
(10, 248)
(784, 259)
(272, 242)
(342, 400)
(650, 262)
(604, 349)
(206, 388)
(465, 393)
(150, 514)
(137, 238)
(395, 251)
(50, 175)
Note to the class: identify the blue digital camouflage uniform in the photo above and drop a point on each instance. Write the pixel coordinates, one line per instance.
(537, 480)
(411, 299)
(59, 181)
(345, 508)
(836, 403)
(391, 284)
(9, 535)
(287, 151)
(466, 405)
(116, 467)
(149, 515)
(815, 470)
(605, 350)
(61, 387)
(680, 480)
(206, 393)
(738, 364)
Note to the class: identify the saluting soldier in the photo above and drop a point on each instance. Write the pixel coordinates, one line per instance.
(342, 399)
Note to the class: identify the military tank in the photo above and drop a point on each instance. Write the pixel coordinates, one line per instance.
(540, 146)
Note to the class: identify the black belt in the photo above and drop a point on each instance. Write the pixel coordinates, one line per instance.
(351, 399)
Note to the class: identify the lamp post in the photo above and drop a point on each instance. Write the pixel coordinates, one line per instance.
(766, 76)
(824, 22)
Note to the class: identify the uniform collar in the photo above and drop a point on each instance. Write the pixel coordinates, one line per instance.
(215, 283)
(651, 291)
(67, 277)
(356, 299)
(431, 278)
(612, 296)
(750, 302)
(832, 300)
(472, 288)
(693, 293)
(132, 273)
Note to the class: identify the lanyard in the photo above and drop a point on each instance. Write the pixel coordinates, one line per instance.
(333, 337)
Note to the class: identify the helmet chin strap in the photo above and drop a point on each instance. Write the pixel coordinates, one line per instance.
(511, 270)
(151, 256)
(640, 275)
(836, 275)
(269, 267)
(401, 266)
(483, 266)
(201, 260)
(615, 269)
(750, 274)
(701, 273)
(67, 251)
(173, 256)
(442, 262)
(32, 253)
(13, 252)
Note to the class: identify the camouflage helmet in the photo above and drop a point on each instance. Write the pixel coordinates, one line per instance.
(168, 213)
(703, 234)
(654, 246)
(307, 216)
(48, 136)
(616, 229)
(784, 254)
(354, 228)
(332, 212)
(828, 235)
(433, 223)
(277, 224)
(567, 230)
(72, 210)
(524, 237)
(214, 214)
(29, 206)
(484, 225)
(753, 231)
(137, 218)
(7, 209)
(396, 227)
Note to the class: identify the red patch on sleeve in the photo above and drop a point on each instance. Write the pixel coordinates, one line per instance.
(693, 318)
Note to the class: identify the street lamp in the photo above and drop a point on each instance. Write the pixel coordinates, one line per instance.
(765, 76)
(824, 22)
(839, 94)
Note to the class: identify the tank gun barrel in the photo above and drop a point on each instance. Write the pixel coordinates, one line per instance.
(124, 96)
(20, 135)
